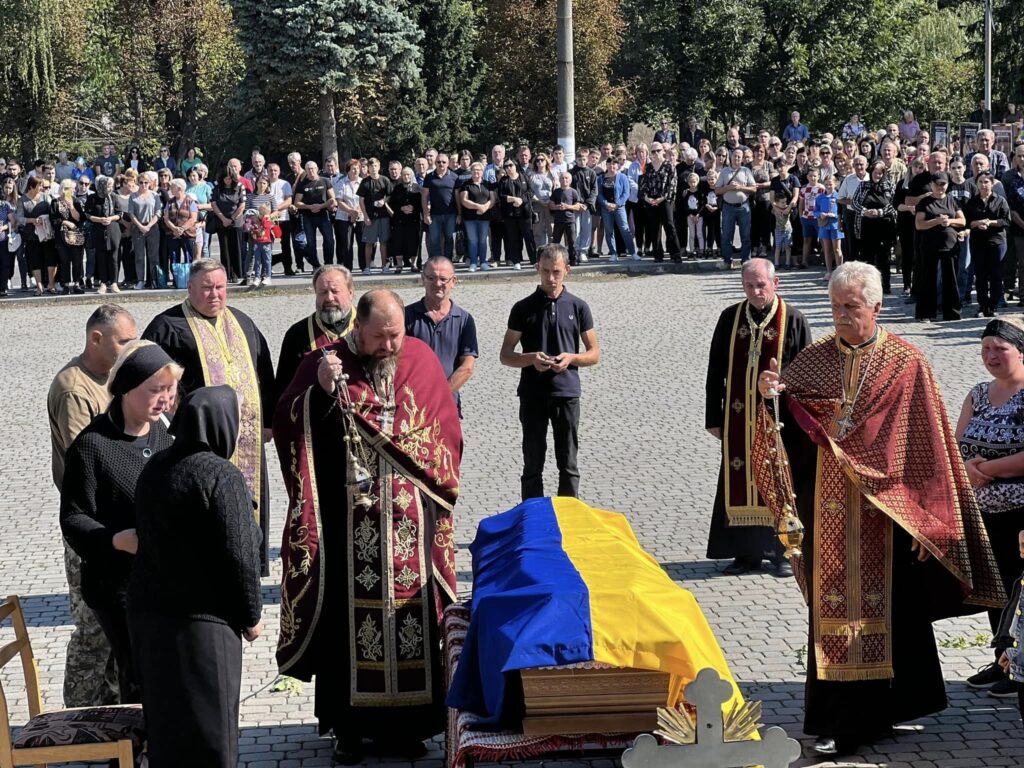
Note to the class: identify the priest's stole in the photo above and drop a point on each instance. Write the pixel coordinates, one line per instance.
(555, 582)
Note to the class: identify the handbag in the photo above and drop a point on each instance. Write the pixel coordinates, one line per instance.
(460, 243)
(13, 242)
(181, 272)
(44, 229)
(159, 276)
(73, 237)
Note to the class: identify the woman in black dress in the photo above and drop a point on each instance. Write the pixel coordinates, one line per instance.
(875, 221)
(195, 588)
(97, 503)
(228, 205)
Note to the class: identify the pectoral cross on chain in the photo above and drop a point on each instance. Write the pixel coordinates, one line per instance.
(844, 423)
(385, 419)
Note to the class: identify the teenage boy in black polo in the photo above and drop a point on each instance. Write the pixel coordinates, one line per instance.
(549, 326)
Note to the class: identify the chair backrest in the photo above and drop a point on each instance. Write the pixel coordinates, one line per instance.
(20, 646)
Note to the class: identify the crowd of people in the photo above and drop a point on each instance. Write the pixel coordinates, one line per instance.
(888, 196)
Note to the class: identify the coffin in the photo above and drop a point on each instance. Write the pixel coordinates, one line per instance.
(591, 698)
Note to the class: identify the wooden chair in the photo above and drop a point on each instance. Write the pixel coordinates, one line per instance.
(65, 735)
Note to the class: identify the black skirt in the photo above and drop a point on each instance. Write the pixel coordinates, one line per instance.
(190, 673)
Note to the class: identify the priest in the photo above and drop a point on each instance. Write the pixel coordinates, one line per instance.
(747, 337)
(332, 319)
(893, 537)
(370, 444)
(219, 345)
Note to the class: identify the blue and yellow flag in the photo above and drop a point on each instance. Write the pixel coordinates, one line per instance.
(558, 582)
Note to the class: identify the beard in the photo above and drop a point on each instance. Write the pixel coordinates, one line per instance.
(332, 314)
(381, 368)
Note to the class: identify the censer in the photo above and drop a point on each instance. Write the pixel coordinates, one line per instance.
(790, 529)
(359, 480)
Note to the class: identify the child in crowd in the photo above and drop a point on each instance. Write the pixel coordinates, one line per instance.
(826, 211)
(1008, 635)
(692, 203)
(261, 231)
(808, 219)
(782, 206)
(712, 216)
(564, 204)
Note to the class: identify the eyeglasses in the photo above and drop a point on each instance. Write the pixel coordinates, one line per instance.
(437, 279)
(657, 150)
(509, 165)
(441, 162)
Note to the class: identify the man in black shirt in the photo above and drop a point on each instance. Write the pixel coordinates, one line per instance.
(549, 326)
(939, 245)
(373, 194)
(314, 197)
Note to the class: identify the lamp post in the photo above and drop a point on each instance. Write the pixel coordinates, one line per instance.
(566, 120)
(987, 118)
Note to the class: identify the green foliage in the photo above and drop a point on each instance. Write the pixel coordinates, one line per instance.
(961, 643)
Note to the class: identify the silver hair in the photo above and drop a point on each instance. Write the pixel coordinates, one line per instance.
(150, 176)
(179, 184)
(201, 267)
(690, 154)
(750, 265)
(294, 156)
(860, 274)
(326, 269)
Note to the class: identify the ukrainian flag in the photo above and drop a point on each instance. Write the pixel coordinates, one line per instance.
(555, 582)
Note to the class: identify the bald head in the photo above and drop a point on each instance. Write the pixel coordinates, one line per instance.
(380, 324)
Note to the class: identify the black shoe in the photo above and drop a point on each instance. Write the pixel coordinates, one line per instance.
(244, 281)
(783, 569)
(740, 566)
(290, 273)
(410, 749)
(986, 676)
(348, 751)
(1003, 689)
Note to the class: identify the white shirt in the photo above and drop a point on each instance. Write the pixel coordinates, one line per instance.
(281, 189)
(850, 185)
(345, 190)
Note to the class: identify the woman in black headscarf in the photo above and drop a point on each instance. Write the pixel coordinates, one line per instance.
(97, 499)
(195, 588)
(875, 221)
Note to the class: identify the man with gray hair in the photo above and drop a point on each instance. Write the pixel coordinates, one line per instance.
(747, 337)
(892, 536)
(985, 142)
(332, 319)
(78, 395)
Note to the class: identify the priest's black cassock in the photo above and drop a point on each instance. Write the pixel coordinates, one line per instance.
(231, 350)
(744, 530)
(307, 335)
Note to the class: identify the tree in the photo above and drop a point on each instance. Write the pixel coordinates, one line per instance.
(326, 47)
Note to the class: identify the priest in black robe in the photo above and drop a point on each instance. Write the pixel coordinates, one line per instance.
(332, 319)
(747, 337)
(218, 345)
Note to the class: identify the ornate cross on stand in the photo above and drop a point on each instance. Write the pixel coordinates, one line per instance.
(704, 737)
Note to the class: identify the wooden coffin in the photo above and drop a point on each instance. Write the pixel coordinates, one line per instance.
(591, 698)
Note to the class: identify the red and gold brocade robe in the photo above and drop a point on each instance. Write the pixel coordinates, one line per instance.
(895, 463)
(399, 553)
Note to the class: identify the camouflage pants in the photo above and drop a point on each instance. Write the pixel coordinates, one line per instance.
(90, 670)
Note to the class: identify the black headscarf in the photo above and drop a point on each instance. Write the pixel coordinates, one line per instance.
(1006, 331)
(207, 420)
(139, 365)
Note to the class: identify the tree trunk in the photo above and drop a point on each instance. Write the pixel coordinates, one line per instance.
(328, 126)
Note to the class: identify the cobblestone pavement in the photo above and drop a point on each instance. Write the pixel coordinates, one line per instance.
(643, 452)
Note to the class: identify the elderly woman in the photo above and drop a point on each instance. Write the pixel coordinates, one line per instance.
(187, 623)
(991, 435)
(97, 504)
(201, 192)
(101, 210)
(67, 217)
(144, 209)
(228, 205)
(875, 221)
(180, 218)
(406, 206)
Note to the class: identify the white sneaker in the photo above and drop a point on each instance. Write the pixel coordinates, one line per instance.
(582, 258)
(386, 270)
(102, 288)
(613, 257)
(366, 270)
(486, 267)
(517, 265)
(31, 282)
(140, 285)
(472, 267)
(264, 282)
(635, 257)
(114, 288)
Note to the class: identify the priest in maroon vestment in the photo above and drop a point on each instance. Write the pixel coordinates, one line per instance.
(370, 445)
(893, 536)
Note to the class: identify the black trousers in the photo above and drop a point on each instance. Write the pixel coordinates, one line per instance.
(284, 258)
(106, 264)
(877, 237)
(566, 231)
(498, 229)
(852, 247)
(639, 215)
(113, 621)
(126, 254)
(713, 229)
(404, 244)
(762, 223)
(988, 274)
(517, 232)
(931, 261)
(71, 263)
(656, 218)
(344, 239)
(905, 231)
(1002, 529)
(230, 240)
(563, 413)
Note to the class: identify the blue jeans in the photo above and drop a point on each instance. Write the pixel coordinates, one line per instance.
(310, 225)
(261, 259)
(442, 223)
(476, 234)
(731, 216)
(182, 245)
(617, 220)
(965, 271)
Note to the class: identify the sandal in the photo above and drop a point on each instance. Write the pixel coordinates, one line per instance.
(38, 292)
